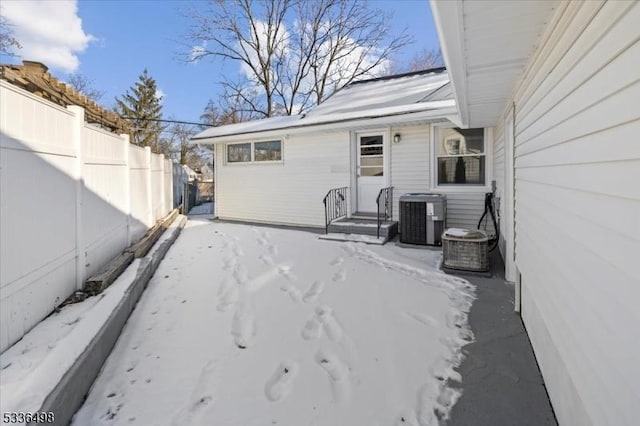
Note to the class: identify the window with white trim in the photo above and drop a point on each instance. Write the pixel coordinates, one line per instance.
(460, 156)
(239, 153)
(254, 152)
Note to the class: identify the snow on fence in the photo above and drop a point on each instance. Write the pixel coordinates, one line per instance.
(72, 197)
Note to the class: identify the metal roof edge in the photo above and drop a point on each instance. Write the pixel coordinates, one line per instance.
(435, 113)
(437, 70)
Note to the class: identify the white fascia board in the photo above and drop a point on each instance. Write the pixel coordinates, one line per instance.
(449, 21)
(444, 109)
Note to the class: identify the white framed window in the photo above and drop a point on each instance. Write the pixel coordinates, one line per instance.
(254, 152)
(239, 153)
(460, 157)
(267, 151)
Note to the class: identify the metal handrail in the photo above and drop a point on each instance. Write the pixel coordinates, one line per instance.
(335, 205)
(386, 194)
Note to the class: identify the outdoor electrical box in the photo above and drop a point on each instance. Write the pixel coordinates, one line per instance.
(422, 218)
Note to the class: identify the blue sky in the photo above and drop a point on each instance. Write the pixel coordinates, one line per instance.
(114, 41)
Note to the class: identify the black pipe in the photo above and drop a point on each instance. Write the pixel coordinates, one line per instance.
(488, 207)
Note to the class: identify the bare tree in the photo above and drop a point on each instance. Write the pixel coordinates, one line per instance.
(295, 53)
(228, 110)
(8, 42)
(175, 143)
(424, 60)
(85, 85)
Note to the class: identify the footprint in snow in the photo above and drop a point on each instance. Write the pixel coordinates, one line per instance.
(407, 418)
(350, 248)
(266, 259)
(280, 384)
(200, 397)
(273, 250)
(292, 290)
(329, 323)
(285, 271)
(228, 296)
(237, 251)
(243, 326)
(312, 328)
(314, 291)
(132, 366)
(338, 373)
(229, 263)
(339, 276)
(240, 274)
(337, 261)
(262, 241)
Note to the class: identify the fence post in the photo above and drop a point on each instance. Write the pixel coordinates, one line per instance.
(78, 127)
(185, 198)
(162, 201)
(127, 185)
(150, 218)
(169, 164)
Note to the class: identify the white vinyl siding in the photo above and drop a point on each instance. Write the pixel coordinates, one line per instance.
(464, 211)
(410, 172)
(288, 192)
(410, 163)
(499, 177)
(291, 192)
(577, 207)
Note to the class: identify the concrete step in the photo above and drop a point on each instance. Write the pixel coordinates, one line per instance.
(364, 226)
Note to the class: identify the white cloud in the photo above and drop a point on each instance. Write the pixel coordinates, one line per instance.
(49, 31)
(197, 52)
(281, 47)
(353, 59)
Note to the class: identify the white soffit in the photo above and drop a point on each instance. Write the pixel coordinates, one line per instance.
(486, 44)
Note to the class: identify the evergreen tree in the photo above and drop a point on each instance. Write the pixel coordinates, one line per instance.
(143, 106)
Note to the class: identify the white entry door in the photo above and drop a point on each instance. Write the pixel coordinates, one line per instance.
(370, 170)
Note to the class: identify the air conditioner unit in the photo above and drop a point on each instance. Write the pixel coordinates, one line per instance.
(422, 218)
(465, 249)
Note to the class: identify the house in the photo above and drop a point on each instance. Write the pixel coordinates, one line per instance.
(371, 135)
(559, 84)
(540, 97)
(192, 175)
(206, 172)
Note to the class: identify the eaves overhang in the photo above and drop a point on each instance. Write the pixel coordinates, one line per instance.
(486, 45)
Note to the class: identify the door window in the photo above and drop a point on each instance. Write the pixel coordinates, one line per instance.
(371, 156)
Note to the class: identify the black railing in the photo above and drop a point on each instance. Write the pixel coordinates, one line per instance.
(385, 205)
(335, 205)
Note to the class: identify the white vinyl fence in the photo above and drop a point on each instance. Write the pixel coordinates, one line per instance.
(72, 197)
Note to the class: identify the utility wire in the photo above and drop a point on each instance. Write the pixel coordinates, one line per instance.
(167, 121)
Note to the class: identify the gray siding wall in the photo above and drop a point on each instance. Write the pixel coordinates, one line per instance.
(577, 209)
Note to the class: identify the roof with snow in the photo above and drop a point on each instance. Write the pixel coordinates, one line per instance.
(396, 95)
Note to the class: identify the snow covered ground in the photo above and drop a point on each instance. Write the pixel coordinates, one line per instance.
(247, 325)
